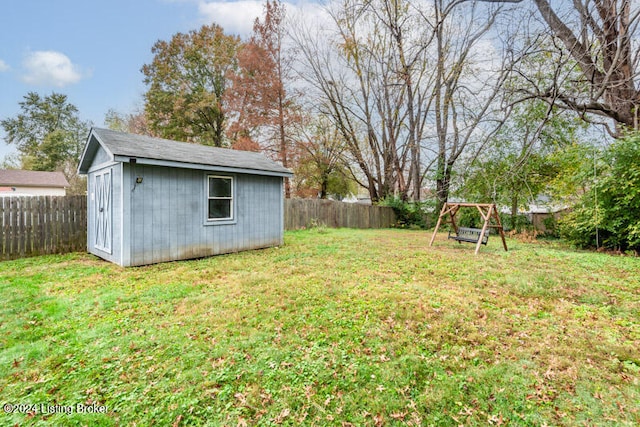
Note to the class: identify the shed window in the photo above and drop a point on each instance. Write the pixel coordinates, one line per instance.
(220, 197)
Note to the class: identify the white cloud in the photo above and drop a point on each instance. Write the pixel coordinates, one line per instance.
(50, 68)
(234, 17)
(237, 17)
(3, 66)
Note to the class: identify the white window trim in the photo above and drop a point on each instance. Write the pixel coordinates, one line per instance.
(229, 220)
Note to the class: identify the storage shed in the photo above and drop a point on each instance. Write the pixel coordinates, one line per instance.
(152, 200)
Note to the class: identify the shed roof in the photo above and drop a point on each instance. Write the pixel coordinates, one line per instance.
(122, 147)
(24, 178)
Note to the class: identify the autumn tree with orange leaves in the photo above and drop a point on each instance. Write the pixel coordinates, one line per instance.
(264, 109)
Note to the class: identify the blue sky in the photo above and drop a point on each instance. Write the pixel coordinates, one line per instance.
(93, 50)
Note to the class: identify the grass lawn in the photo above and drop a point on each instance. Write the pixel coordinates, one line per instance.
(337, 327)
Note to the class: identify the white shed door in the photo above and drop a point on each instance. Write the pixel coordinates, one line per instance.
(103, 211)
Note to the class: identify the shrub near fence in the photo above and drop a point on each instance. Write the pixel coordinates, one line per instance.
(42, 225)
(301, 213)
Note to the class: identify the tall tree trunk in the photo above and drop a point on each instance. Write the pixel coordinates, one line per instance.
(324, 184)
(219, 129)
(443, 183)
(514, 210)
(283, 147)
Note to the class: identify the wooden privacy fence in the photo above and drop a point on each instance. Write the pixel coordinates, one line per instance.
(58, 224)
(301, 213)
(42, 225)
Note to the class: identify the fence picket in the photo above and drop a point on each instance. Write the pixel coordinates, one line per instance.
(28, 240)
(6, 226)
(302, 213)
(42, 225)
(14, 226)
(57, 224)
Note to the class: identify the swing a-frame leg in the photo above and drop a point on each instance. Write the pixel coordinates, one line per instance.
(488, 212)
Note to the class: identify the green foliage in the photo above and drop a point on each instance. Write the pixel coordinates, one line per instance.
(47, 132)
(315, 177)
(408, 214)
(525, 158)
(186, 83)
(472, 218)
(340, 184)
(579, 226)
(320, 167)
(517, 223)
(610, 210)
(551, 225)
(469, 218)
(574, 170)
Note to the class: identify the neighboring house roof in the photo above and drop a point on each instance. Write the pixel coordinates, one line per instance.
(22, 178)
(123, 147)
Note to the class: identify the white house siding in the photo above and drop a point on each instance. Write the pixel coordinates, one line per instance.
(37, 191)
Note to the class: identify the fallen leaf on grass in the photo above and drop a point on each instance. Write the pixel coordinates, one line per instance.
(378, 419)
(282, 415)
(398, 415)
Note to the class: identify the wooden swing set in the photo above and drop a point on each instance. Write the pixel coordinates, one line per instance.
(488, 211)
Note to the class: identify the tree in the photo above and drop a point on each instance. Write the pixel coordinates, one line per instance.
(49, 135)
(608, 214)
(320, 169)
(186, 83)
(525, 159)
(265, 110)
(409, 69)
(601, 36)
(135, 122)
(466, 89)
(404, 84)
(10, 161)
(369, 75)
(246, 99)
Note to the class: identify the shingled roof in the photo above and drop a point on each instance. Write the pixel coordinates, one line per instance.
(24, 178)
(148, 150)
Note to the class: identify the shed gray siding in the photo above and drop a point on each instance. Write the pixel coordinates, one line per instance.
(164, 216)
(167, 215)
(100, 164)
(101, 157)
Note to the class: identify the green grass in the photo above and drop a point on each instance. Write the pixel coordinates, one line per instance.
(337, 327)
